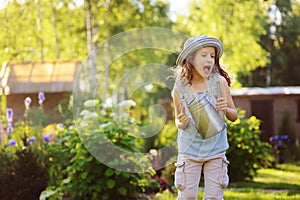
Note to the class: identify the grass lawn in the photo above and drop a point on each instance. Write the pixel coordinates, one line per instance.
(280, 184)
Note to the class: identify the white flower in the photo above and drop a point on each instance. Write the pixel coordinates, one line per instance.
(127, 103)
(90, 115)
(105, 125)
(91, 103)
(83, 124)
(153, 152)
(94, 114)
(103, 112)
(71, 127)
(85, 112)
(108, 103)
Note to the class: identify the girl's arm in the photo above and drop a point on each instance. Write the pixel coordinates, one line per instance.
(181, 119)
(225, 103)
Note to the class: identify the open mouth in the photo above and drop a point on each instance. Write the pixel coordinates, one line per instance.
(206, 69)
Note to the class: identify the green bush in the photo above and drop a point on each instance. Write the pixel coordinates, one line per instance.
(247, 153)
(22, 176)
(87, 178)
(69, 168)
(31, 162)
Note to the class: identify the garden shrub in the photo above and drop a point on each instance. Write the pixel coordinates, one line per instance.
(6, 171)
(31, 159)
(23, 177)
(247, 153)
(87, 178)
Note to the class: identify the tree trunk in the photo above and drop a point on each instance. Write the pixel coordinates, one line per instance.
(39, 30)
(91, 54)
(54, 24)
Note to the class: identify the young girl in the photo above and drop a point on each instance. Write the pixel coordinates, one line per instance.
(199, 75)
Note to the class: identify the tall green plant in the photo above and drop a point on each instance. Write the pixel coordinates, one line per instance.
(247, 153)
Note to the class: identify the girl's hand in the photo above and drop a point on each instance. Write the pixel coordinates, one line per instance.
(225, 102)
(222, 104)
(182, 120)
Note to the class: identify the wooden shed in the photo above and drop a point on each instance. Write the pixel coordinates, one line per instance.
(21, 80)
(269, 104)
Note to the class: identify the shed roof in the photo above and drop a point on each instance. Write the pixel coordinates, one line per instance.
(20, 78)
(289, 90)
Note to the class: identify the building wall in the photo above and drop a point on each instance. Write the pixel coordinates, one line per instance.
(243, 103)
(280, 103)
(285, 103)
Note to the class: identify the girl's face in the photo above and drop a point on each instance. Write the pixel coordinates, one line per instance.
(204, 61)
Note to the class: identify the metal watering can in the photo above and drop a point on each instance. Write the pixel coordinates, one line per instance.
(206, 117)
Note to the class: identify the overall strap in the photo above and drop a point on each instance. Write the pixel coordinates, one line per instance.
(184, 92)
(215, 87)
(214, 84)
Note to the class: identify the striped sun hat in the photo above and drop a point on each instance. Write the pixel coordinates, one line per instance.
(194, 43)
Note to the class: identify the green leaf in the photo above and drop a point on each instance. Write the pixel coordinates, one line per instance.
(109, 172)
(111, 183)
(84, 175)
(47, 193)
(123, 191)
(67, 180)
(89, 159)
(118, 172)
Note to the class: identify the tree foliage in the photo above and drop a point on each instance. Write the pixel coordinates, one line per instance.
(282, 42)
(29, 33)
(56, 29)
(238, 24)
(43, 30)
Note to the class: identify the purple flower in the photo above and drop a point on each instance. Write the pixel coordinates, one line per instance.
(46, 138)
(11, 142)
(30, 140)
(9, 114)
(41, 96)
